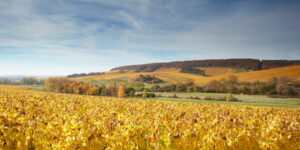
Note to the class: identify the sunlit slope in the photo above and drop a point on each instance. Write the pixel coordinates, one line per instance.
(292, 72)
(173, 75)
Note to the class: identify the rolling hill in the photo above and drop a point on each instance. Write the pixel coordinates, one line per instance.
(173, 75)
(246, 64)
(292, 72)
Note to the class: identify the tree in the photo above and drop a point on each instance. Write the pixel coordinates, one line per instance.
(211, 86)
(190, 89)
(228, 98)
(180, 88)
(93, 91)
(102, 90)
(121, 91)
(130, 92)
(144, 94)
(28, 81)
(58, 84)
(111, 89)
(189, 83)
(155, 88)
(232, 82)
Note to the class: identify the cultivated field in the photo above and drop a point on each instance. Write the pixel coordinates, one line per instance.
(249, 100)
(41, 120)
(172, 75)
(292, 72)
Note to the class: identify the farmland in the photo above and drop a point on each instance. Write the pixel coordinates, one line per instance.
(168, 75)
(292, 72)
(149, 75)
(172, 75)
(249, 100)
(42, 120)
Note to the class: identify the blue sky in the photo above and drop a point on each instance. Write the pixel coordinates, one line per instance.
(59, 37)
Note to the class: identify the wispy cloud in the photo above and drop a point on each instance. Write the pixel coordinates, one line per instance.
(97, 34)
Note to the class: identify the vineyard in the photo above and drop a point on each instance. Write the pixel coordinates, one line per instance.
(42, 120)
(172, 75)
(292, 72)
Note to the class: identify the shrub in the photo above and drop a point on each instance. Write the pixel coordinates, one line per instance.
(195, 98)
(222, 98)
(234, 99)
(146, 95)
(148, 79)
(130, 92)
(190, 89)
(207, 98)
(151, 95)
(229, 97)
(154, 88)
(174, 96)
(180, 88)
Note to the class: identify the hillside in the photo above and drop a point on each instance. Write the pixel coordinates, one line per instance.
(247, 64)
(173, 75)
(292, 72)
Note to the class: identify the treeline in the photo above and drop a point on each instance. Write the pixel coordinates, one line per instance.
(149, 79)
(268, 64)
(192, 70)
(275, 86)
(85, 74)
(248, 64)
(188, 87)
(23, 81)
(63, 85)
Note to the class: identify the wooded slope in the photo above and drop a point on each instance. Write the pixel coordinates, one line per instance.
(247, 64)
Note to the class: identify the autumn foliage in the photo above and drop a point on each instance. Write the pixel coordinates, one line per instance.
(44, 120)
(275, 86)
(121, 91)
(63, 85)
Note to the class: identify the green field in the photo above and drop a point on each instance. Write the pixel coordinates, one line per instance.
(251, 100)
(35, 87)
